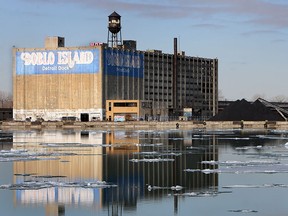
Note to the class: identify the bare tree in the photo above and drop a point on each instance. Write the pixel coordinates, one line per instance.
(6, 100)
(256, 96)
(220, 95)
(280, 98)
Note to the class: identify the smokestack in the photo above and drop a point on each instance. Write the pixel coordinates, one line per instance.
(175, 67)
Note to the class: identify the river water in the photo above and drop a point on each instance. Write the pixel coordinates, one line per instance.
(143, 172)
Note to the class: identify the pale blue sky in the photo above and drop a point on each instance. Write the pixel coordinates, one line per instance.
(249, 37)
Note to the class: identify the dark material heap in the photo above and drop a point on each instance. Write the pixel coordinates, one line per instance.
(260, 110)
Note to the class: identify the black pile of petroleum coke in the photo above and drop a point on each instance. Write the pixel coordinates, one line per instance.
(247, 111)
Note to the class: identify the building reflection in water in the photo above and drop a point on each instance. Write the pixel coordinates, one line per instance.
(85, 165)
(6, 140)
(133, 179)
(122, 160)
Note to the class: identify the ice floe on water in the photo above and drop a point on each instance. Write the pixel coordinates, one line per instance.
(27, 186)
(176, 188)
(234, 138)
(25, 155)
(212, 162)
(148, 144)
(205, 171)
(36, 185)
(198, 148)
(249, 147)
(243, 211)
(257, 186)
(205, 193)
(153, 153)
(243, 167)
(272, 137)
(210, 171)
(74, 145)
(152, 160)
(242, 163)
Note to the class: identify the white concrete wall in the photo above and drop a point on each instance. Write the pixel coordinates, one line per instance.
(56, 114)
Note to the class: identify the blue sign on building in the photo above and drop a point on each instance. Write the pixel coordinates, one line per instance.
(57, 62)
(123, 63)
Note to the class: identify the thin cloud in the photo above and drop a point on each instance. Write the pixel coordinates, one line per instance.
(279, 41)
(261, 32)
(208, 26)
(259, 12)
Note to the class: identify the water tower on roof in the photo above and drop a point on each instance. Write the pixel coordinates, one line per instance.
(114, 30)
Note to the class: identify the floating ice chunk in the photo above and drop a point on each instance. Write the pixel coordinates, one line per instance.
(212, 162)
(234, 138)
(99, 184)
(272, 137)
(244, 211)
(210, 171)
(257, 186)
(244, 186)
(146, 153)
(150, 188)
(249, 163)
(177, 187)
(152, 160)
(36, 185)
(172, 153)
(27, 186)
(12, 152)
(191, 194)
(196, 148)
(249, 147)
(201, 194)
(192, 170)
(5, 186)
(154, 153)
(50, 176)
(25, 155)
(174, 188)
(148, 144)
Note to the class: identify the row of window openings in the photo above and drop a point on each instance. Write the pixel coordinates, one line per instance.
(181, 68)
(179, 101)
(180, 94)
(189, 75)
(179, 81)
(189, 86)
(179, 63)
(161, 99)
(160, 95)
(170, 88)
(165, 60)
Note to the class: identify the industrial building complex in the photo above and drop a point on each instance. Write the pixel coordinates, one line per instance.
(111, 81)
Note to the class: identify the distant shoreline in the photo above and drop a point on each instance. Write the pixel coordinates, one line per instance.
(210, 125)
